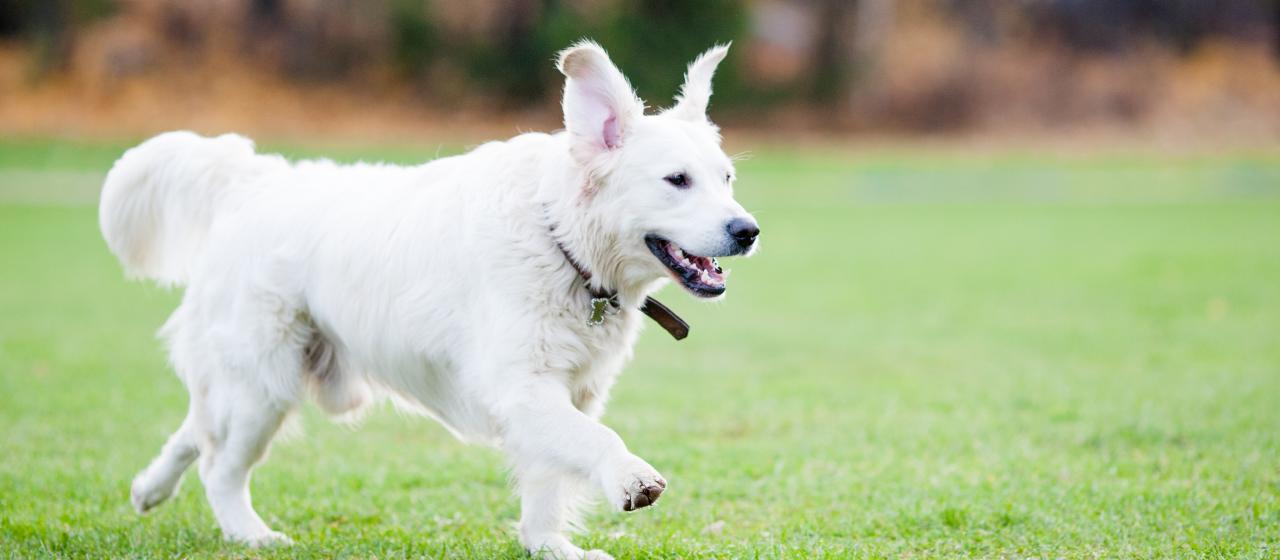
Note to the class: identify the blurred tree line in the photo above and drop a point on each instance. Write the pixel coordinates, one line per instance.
(922, 64)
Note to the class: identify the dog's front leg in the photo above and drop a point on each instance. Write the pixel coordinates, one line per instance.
(547, 437)
(548, 504)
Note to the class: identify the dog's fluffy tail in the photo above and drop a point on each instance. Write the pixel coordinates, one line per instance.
(161, 198)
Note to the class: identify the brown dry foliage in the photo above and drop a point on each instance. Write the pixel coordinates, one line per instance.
(143, 71)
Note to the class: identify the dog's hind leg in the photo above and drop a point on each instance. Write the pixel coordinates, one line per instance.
(243, 421)
(160, 479)
(241, 353)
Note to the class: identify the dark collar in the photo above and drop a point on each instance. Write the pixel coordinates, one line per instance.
(605, 302)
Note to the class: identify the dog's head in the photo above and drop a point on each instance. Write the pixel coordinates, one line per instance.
(660, 184)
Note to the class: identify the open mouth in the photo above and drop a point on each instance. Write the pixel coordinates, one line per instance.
(700, 275)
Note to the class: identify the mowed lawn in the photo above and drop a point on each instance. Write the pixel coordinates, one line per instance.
(935, 354)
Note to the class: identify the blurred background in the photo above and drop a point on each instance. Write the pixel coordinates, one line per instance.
(1164, 69)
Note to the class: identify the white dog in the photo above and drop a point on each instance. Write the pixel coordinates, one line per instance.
(499, 292)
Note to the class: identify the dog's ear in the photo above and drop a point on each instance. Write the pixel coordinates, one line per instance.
(599, 104)
(695, 94)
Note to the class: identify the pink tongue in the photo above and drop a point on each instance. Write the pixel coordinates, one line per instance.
(702, 263)
(708, 266)
(711, 270)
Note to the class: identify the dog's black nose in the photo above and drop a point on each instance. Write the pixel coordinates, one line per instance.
(744, 231)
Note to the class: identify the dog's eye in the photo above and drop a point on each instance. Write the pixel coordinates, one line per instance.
(678, 180)
(728, 177)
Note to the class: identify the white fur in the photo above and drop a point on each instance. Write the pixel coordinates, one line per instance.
(439, 286)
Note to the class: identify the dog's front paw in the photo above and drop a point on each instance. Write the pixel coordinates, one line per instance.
(632, 484)
(263, 540)
(556, 547)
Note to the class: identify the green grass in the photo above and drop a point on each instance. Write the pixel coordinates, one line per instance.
(1003, 355)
